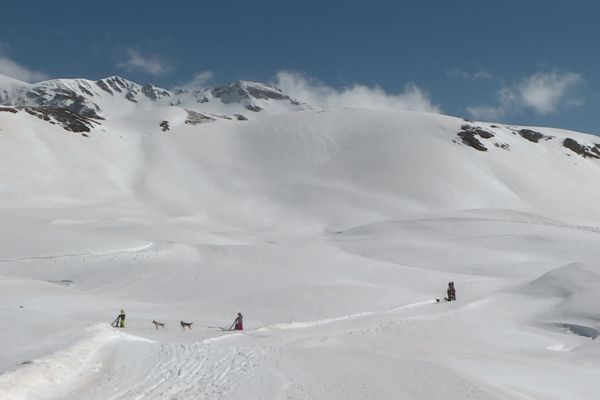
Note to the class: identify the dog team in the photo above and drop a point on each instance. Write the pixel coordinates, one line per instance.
(238, 323)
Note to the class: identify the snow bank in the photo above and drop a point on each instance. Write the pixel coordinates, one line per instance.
(56, 375)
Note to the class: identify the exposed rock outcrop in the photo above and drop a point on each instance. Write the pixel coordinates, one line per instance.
(195, 118)
(469, 139)
(582, 150)
(533, 136)
(469, 134)
(253, 108)
(70, 121)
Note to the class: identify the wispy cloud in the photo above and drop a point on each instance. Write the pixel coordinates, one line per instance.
(136, 61)
(13, 69)
(200, 80)
(316, 93)
(486, 112)
(479, 75)
(542, 92)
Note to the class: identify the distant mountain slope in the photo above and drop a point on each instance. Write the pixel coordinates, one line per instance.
(115, 97)
(324, 167)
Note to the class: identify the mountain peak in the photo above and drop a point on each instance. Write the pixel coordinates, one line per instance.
(247, 90)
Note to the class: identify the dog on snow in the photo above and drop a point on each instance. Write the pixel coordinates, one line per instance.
(159, 324)
(185, 325)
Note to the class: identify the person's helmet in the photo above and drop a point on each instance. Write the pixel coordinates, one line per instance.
(239, 314)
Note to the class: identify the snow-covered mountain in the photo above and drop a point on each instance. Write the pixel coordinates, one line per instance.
(115, 97)
(392, 161)
(332, 230)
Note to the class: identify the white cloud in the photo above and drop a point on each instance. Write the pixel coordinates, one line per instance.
(136, 61)
(200, 80)
(316, 93)
(545, 91)
(15, 70)
(542, 92)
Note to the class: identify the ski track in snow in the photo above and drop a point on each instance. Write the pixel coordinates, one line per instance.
(172, 370)
(560, 225)
(97, 253)
(325, 321)
(209, 369)
(199, 371)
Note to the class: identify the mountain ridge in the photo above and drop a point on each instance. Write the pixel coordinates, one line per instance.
(115, 96)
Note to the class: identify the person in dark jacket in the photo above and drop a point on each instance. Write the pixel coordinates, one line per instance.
(238, 324)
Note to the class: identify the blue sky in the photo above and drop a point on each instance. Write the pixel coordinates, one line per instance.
(526, 62)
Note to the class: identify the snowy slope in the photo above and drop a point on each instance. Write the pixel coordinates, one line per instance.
(333, 231)
(301, 163)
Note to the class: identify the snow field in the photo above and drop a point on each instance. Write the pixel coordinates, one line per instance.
(332, 231)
